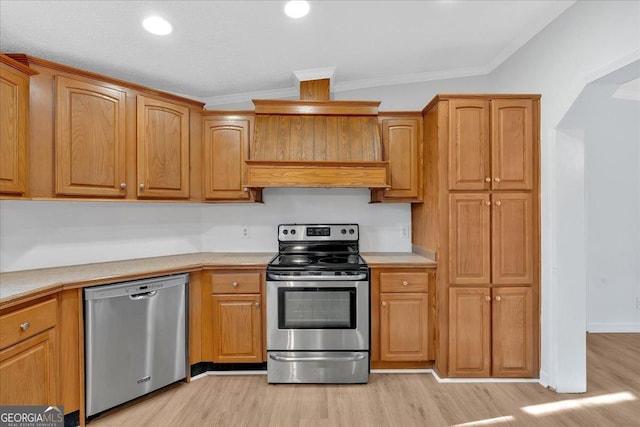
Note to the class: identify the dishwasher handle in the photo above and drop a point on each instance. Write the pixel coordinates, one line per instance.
(143, 295)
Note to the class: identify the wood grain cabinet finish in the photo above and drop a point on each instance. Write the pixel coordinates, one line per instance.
(163, 149)
(28, 355)
(401, 143)
(237, 317)
(14, 128)
(491, 144)
(491, 332)
(491, 238)
(90, 126)
(225, 149)
(401, 326)
(237, 328)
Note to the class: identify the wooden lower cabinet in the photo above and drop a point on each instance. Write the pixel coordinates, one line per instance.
(491, 332)
(28, 355)
(401, 327)
(237, 329)
(232, 316)
(404, 326)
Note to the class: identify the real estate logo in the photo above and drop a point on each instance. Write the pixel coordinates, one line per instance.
(31, 416)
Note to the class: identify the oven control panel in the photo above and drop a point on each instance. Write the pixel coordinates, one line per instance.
(317, 232)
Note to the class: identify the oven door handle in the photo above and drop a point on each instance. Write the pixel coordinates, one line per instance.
(353, 357)
(290, 277)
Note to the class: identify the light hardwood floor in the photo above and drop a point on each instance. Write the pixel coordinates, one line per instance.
(403, 400)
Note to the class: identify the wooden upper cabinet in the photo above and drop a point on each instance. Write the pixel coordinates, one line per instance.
(512, 144)
(163, 149)
(225, 147)
(90, 139)
(491, 144)
(469, 152)
(469, 332)
(513, 240)
(14, 129)
(512, 320)
(469, 239)
(401, 145)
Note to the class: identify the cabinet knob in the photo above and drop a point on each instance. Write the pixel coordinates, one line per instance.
(141, 186)
(496, 179)
(487, 298)
(487, 179)
(387, 189)
(25, 326)
(405, 283)
(245, 189)
(498, 203)
(257, 304)
(123, 185)
(498, 298)
(487, 202)
(384, 303)
(234, 284)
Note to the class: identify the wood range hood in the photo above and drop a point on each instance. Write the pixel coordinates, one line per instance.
(315, 142)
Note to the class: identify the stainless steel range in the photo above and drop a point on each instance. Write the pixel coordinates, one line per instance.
(318, 306)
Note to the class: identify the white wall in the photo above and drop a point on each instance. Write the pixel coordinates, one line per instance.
(46, 234)
(587, 41)
(611, 141)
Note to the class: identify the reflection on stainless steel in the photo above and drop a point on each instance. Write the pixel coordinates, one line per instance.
(318, 311)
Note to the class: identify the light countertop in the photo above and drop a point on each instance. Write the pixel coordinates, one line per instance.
(20, 286)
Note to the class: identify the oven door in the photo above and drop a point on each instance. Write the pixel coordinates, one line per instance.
(317, 315)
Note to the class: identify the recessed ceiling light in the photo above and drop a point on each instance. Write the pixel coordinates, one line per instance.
(156, 25)
(296, 9)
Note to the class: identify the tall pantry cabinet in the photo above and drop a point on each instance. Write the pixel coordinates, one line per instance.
(481, 218)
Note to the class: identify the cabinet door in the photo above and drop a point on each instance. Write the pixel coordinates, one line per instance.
(237, 329)
(512, 243)
(14, 126)
(404, 327)
(469, 332)
(28, 372)
(469, 239)
(163, 149)
(512, 319)
(469, 151)
(89, 139)
(512, 144)
(226, 145)
(401, 144)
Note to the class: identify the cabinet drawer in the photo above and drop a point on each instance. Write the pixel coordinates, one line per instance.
(235, 283)
(29, 321)
(404, 282)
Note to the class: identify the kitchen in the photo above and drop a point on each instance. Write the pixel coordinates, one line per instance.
(103, 231)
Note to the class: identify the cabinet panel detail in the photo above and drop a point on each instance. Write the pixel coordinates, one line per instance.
(469, 152)
(237, 328)
(469, 239)
(90, 139)
(512, 244)
(512, 318)
(469, 332)
(404, 326)
(163, 149)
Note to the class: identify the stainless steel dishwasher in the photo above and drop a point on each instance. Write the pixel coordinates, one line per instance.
(135, 339)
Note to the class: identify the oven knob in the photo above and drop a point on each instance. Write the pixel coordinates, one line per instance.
(343, 231)
(285, 232)
(351, 231)
(293, 231)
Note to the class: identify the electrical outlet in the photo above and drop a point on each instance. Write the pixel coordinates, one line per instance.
(244, 233)
(405, 232)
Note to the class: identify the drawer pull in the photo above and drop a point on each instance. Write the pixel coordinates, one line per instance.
(405, 283)
(25, 326)
(234, 284)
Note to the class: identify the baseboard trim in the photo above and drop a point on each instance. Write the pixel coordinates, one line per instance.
(613, 328)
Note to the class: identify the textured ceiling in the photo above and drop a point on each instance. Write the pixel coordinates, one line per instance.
(226, 51)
